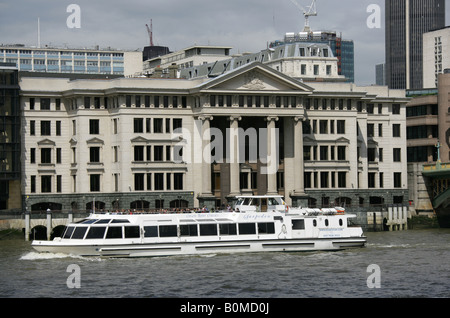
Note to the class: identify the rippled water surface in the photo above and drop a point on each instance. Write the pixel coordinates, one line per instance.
(412, 263)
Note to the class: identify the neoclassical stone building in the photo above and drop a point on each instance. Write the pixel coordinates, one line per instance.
(160, 143)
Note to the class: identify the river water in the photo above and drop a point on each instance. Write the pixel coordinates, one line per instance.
(413, 263)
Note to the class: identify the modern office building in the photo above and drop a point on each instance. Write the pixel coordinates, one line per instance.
(436, 55)
(76, 61)
(115, 143)
(380, 74)
(10, 138)
(406, 22)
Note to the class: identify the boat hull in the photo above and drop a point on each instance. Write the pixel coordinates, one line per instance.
(199, 248)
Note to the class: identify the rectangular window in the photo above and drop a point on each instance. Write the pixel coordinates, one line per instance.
(342, 179)
(33, 155)
(94, 154)
(132, 232)
(95, 182)
(323, 126)
(266, 228)
(45, 128)
(159, 181)
(178, 181)
(150, 231)
(45, 103)
(168, 231)
(46, 184)
(58, 128)
(138, 125)
(138, 153)
(340, 126)
(139, 181)
(342, 152)
(208, 229)
(298, 224)
(247, 228)
(114, 232)
(188, 230)
(157, 125)
(396, 130)
(33, 184)
(58, 155)
(370, 130)
(32, 127)
(46, 155)
(396, 109)
(371, 152)
(397, 179)
(323, 152)
(177, 123)
(397, 155)
(158, 153)
(96, 232)
(227, 229)
(371, 180)
(128, 100)
(94, 126)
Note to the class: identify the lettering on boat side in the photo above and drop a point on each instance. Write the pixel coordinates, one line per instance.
(74, 279)
(374, 279)
(237, 307)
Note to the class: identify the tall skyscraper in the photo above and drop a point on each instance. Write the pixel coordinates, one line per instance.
(406, 21)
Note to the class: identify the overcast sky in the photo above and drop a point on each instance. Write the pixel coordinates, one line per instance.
(245, 25)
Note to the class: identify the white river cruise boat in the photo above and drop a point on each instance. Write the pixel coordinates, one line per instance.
(257, 224)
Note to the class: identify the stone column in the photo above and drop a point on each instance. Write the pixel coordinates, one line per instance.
(271, 156)
(49, 224)
(233, 155)
(206, 149)
(206, 196)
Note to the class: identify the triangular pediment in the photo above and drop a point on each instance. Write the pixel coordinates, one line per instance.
(46, 142)
(139, 139)
(255, 77)
(95, 140)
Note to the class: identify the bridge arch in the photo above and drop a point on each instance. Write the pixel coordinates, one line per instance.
(57, 231)
(39, 232)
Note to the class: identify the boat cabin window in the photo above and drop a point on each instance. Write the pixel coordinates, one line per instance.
(68, 232)
(188, 230)
(79, 232)
(266, 228)
(120, 221)
(114, 232)
(103, 221)
(326, 222)
(298, 224)
(168, 231)
(150, 231)
(314, 223)
(132, 232)
(340, 222)
(227, 229)
(273, 201)
(247, 228)
(246, 201)
(96, 232)
(208, 229)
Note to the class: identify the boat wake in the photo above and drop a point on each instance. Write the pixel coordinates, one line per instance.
(32, 256)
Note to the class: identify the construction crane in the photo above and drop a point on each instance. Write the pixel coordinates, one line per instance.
(311, 12)
(150, 32)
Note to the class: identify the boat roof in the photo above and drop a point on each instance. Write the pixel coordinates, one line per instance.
(259, 196)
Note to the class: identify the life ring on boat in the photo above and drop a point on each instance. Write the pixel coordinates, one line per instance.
(286, 209)
(340, 212)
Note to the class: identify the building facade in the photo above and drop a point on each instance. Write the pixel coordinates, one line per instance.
(343, 50)
(436, 56)
(166, 143)
(406, 22)
(10, 138)
(77, 61)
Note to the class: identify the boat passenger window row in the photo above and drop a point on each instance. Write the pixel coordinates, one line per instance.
(118, 232)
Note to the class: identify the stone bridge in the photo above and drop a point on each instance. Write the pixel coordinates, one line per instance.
(41, 226)
(437, 181)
